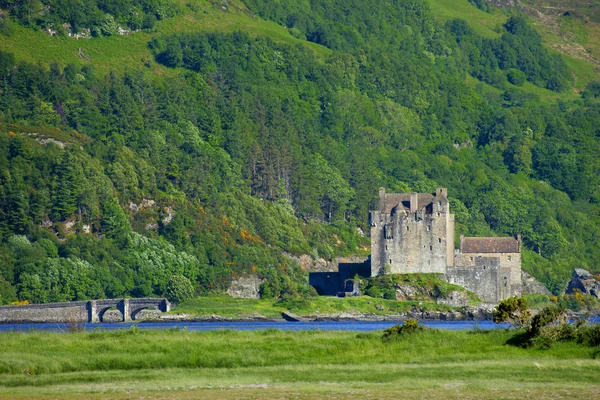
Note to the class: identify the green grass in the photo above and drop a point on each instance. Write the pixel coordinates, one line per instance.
(243, 308)
(120, 53)
(309, 364)
(485, 24)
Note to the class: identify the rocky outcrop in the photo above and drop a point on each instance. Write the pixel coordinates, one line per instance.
(585, 282)
(455, 298)
(530, 285)
(246, 287)
(407, 292)
(311, 264)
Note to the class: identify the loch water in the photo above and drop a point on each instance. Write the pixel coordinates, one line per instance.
(357, 326)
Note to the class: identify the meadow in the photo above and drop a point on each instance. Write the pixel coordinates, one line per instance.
(277, 364)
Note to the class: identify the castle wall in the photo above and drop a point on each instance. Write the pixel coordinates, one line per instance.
(417, 244)
(492, 276)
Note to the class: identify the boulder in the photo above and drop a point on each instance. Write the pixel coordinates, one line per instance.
(530, 285)
(585, 282)
(246, 287)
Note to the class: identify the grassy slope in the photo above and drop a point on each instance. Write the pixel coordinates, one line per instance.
(242, 308)
(488, 25)
(131, 51)
(267, 364)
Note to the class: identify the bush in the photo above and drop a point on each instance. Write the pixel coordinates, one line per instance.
(548, 315)
(409, 327)
(179, 289)
(516, 77)
(513, 310)
(589, 335)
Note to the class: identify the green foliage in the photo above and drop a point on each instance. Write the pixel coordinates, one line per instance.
(513, 310)
(427, 287)
(516, 77)
(101, 17)
(255, 146)
(179, 289)
(408, 328)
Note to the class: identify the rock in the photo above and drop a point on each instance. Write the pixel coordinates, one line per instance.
(585, 282)
(112, 316)
(246, 287)
(530, 285)
(406, 292)
(455, 299)
(147, 314)
(288, 316)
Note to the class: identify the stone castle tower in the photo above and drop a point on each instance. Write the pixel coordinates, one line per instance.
(414, 233)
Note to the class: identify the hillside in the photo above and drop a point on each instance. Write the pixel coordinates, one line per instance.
(210, 139)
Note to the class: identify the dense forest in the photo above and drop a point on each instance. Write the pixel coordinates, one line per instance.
(253, 149)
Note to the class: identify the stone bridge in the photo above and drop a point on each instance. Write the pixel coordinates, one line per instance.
(81, 311)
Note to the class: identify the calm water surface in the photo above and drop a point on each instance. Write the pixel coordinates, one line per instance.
(253, 326)
(357, 326)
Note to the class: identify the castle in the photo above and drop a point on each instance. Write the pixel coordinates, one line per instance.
(414, 233)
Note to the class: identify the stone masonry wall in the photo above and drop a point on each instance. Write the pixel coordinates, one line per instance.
(73, 312)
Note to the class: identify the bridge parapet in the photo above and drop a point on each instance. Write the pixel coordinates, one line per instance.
(80, 311)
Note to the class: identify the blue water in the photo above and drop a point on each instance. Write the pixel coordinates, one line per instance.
(357, 326)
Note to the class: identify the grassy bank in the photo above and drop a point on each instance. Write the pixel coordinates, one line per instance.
(221, 364)
(225, 306)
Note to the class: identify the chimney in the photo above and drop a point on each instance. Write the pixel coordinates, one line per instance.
(461, 241)
(381, 199)
(414, 202)
(442, 191)
(519, 242)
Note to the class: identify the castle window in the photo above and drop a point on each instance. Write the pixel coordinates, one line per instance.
(430, 248)
(470, 258)
(439, 240)
(407, 228)
(386, 247)
(438, 214)
(439, 203)
(509, 258)
(484, 267)
(428, 228)
(390, 260)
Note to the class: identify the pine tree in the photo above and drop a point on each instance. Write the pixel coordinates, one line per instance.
(65, 191)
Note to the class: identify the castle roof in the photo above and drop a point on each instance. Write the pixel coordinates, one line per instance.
(393, 199)
(489, 245)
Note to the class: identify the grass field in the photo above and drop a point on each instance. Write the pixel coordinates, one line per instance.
(276, 364)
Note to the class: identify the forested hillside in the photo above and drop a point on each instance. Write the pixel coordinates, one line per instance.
(218, 150)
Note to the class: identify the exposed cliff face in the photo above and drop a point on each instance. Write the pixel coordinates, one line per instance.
(585, 282)
(246, 287)
(530, 285)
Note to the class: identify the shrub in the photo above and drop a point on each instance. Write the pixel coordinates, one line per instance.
(179, 289)
(409, 327)
(516, 77)
(547, 316)
(589, 335)
(513, 310)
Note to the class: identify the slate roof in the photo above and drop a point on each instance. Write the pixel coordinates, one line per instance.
(489, 245)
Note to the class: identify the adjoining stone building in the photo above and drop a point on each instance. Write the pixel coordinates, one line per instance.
(414, 233)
